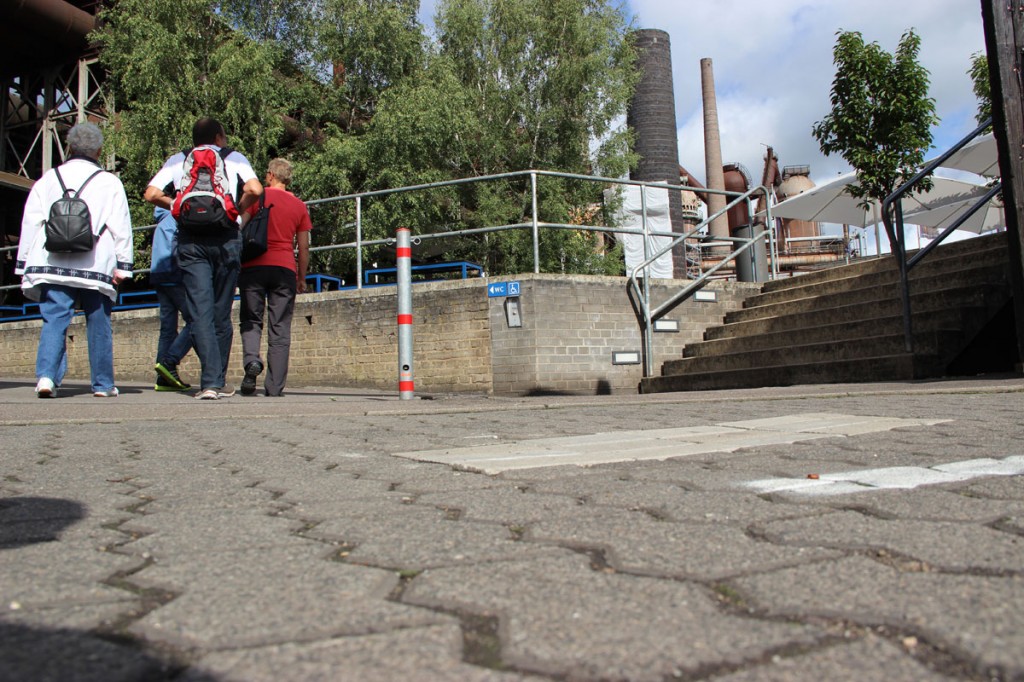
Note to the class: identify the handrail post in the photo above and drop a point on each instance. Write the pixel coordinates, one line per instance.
(646, 333)
(536, 228)
(908, 330)
(359, 242)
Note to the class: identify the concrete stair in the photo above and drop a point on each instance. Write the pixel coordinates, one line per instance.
(845, 324)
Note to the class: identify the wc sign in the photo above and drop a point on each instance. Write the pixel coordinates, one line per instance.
(498, 289)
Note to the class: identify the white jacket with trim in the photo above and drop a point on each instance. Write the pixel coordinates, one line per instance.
(108, 205)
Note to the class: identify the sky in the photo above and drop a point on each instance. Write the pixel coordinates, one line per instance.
(773, 68)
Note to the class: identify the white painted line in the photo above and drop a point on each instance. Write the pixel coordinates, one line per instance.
(658, 444)
(1010, 466)
(864, 480)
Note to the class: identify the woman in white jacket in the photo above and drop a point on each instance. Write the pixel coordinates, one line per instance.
(60, 280)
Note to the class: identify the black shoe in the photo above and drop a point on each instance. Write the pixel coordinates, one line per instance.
(252, 370)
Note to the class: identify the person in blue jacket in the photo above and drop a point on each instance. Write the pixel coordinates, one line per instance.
(165, 276)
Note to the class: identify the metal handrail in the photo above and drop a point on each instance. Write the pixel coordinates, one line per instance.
(892, 217)
(535, 225)
(641, 296)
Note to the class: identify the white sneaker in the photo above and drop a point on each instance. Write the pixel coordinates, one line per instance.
(45, 388)
(109, 393)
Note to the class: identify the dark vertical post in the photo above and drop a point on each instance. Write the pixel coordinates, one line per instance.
(652, 116)
(1004, 43)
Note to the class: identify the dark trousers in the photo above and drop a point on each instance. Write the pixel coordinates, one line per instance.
(273, 288)
(209, 266)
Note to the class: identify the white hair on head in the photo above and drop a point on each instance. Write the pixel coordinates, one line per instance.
(85, 138)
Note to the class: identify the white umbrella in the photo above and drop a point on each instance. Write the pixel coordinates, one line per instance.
(831, 203)
(977, 156)
(988, 217)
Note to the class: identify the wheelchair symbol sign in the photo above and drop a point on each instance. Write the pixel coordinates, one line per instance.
(513, 288)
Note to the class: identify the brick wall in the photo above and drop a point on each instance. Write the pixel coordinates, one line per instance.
(573, 324)
(461, 341)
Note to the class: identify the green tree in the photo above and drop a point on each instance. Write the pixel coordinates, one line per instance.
(369, 46)
(170, 64)
(515, 85)
(881, 114)
(981, 85)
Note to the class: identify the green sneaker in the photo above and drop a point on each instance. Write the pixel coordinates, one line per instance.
(167, 378)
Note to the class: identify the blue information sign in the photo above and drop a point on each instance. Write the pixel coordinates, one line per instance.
(496, 289)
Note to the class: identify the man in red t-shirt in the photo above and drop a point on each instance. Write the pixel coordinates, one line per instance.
(272, 280)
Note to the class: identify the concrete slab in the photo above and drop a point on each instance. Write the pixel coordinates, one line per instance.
(604, 448)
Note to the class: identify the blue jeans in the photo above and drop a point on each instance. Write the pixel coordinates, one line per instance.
(173, 344)
(57, 306)
(209, 266)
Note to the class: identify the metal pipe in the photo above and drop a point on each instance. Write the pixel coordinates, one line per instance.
(536, 230)
(359, 242)
(56, 19)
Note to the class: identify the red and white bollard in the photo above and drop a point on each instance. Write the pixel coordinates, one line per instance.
(403, 265)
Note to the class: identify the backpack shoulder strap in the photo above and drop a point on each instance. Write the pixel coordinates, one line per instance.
(225, 152)
(85, 183)
(63, 187)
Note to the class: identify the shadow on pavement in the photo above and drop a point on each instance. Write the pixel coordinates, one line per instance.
(28, 652)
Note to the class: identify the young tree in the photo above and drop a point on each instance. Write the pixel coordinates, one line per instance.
(881, 114)
(982, 86)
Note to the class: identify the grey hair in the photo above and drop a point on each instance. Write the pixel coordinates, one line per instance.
(85, 138)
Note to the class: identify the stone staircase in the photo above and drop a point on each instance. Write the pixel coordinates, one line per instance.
(845, 324)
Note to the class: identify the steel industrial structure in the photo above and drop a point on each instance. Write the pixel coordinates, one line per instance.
(51, 80)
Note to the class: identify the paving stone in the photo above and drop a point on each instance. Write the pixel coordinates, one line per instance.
(638, 543)
(325, 486)
(953, 546)
(423, 540)
(414, 654)
(67, 655)
(50, 573)
(874, 659)
(927, 504)
(560, 617)
(978, 618)
(318, 509)
(1001, 488)
(284, 536)
(87, 616)
(506, 505)
(182, 501)
(246, 599)
(677, 504)
(212, 531)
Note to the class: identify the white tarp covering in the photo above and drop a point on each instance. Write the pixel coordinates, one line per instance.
(630, 216)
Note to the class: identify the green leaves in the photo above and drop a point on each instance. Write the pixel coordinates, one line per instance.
(360, 99)
(982, 86)
(881, 114)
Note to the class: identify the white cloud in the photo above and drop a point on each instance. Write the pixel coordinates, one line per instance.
(773, 68)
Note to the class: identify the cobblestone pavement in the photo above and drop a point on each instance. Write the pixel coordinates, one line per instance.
(156, 537)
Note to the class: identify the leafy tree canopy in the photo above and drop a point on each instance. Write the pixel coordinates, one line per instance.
(881, 114)
(360, 99)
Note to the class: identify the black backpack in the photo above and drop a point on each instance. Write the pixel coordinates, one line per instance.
(69, 228)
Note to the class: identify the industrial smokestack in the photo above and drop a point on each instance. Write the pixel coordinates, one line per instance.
(713, 151)
(652, 116)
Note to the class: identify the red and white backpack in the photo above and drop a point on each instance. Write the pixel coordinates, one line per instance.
(205, 202)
